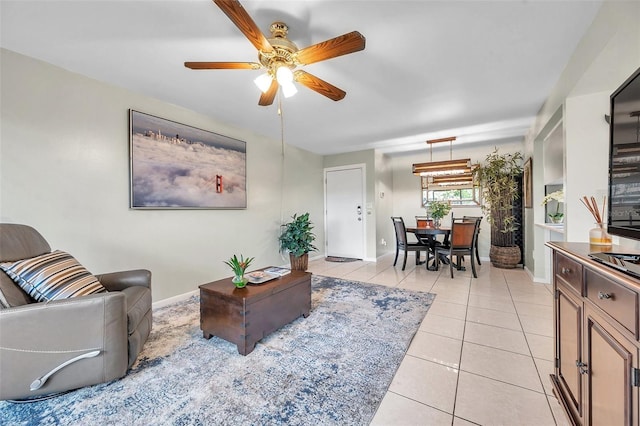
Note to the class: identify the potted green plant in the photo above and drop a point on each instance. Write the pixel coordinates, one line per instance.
(437, 210)
(297, 239)
(498, 178)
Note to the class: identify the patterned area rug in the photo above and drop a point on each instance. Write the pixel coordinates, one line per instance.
(333, 367)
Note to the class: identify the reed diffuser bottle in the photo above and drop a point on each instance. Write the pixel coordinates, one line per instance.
(598, 236)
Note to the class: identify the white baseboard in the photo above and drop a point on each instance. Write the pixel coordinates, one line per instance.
(540, 280)
(175, 299)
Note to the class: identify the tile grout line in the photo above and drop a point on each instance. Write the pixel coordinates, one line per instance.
(464, 329)
(534, 361)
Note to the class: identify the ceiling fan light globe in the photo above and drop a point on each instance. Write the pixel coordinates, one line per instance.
(284, 75)
(263, 82)
(288, 89)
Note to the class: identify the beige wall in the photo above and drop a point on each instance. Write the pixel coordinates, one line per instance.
(605, 57)
(64, 169)
(385, 235)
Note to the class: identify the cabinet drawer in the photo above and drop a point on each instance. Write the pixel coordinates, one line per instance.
(569, 271)
(613, 298)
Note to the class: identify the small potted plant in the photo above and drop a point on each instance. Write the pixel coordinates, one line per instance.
(239, 266)
(297, 239)
(438, 210)
(558, 197)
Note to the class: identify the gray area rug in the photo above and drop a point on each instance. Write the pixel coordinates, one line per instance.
(333, 367)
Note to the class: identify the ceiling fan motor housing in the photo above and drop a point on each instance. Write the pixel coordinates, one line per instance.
(283, 53)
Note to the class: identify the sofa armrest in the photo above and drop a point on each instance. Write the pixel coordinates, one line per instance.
(36, 338)
(118, 281)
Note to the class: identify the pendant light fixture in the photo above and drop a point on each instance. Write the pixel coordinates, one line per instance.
(443, 168)
(451, 180)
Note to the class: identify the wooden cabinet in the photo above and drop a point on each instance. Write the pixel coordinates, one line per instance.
(610, 370)
(596, 375)
(568, 324)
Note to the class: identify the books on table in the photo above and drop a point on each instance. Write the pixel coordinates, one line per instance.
(277, 270)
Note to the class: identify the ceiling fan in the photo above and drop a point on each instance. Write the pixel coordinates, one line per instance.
(280, 57)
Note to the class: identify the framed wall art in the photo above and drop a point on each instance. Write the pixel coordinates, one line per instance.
(527, 185)
(175, 166)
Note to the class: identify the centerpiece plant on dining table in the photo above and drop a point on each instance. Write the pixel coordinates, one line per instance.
(438, 210)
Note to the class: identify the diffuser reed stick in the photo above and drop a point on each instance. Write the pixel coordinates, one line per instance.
(592, 205)
(599, 235)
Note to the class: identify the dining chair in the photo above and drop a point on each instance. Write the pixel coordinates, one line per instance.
(424, 222)
(461, 243)
(479, 219)
(402, 242)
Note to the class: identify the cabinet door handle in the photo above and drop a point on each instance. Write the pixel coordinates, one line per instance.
(603, 296)
(565, 270)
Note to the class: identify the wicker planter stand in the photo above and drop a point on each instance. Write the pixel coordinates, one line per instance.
(504, 257)
(299, 263)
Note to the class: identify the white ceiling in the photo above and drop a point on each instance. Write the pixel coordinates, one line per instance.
(478, 70)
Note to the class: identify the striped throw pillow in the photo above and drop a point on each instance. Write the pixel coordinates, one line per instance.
(52, 276)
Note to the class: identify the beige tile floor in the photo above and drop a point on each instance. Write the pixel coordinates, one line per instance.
(483, 353)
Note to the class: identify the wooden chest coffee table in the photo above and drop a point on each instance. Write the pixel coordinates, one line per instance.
(245, 315)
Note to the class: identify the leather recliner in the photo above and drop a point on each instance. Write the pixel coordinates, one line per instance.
(61, 345)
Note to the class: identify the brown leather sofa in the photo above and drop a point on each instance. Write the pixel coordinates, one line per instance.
(60, 345)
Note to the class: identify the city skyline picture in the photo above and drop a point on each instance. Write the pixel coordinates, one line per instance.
(176, 166)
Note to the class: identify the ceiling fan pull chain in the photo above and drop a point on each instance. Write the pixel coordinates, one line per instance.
(281, 121)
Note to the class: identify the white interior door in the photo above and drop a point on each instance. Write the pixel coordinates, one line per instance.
(345, 212)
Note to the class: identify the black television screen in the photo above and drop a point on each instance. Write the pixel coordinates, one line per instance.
(624, 160)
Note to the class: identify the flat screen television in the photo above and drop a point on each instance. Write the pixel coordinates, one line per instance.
(624, 160)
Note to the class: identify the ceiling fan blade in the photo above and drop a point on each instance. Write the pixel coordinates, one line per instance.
(319, 85)
(223, 65)
(267, 98)
(338, 46)
(234, 10)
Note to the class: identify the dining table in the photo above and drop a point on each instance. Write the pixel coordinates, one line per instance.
(427, 235)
